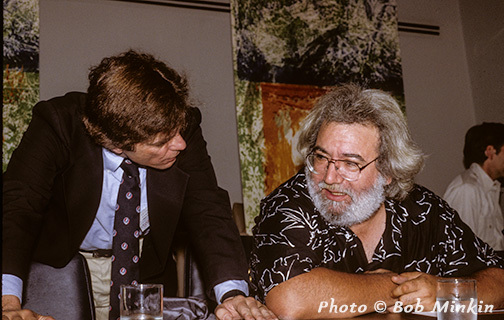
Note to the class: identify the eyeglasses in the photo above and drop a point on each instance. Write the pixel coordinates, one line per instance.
(347, 169)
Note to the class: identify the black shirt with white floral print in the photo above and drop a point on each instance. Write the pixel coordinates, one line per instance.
(422, 233)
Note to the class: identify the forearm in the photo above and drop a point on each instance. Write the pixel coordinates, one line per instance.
(489, 287)
(207, 214)
(303, 296)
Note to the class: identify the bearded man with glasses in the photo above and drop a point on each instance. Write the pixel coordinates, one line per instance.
(352, 228)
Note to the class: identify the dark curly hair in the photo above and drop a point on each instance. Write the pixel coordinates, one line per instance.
(132, 97)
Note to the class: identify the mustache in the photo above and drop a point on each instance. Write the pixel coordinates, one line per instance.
(334, 187)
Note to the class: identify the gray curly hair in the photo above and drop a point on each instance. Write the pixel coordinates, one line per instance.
(399, 156)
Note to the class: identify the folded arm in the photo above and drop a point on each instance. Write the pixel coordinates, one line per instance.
(489, 286)
(306, 296)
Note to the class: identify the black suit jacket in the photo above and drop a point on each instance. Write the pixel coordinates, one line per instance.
(52, 189)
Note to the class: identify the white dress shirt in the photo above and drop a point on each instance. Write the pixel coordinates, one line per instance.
(475, 196)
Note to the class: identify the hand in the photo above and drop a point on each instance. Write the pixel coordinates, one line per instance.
(11, 310)
(240, 307)
(416, 285)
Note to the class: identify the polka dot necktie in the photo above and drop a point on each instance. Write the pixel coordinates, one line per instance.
(125, 249)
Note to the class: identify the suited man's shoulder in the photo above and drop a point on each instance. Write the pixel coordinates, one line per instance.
(193, 121)
(67, 108)
(61, 118)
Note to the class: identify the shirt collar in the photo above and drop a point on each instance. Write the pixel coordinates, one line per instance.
(111, 161)
(487, 182)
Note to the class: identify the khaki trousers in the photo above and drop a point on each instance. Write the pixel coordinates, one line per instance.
(100, 269)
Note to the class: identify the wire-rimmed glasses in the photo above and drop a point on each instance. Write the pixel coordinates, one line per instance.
(348, 170)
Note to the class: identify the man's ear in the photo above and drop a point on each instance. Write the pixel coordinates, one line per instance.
(490, 152)
(117, 151)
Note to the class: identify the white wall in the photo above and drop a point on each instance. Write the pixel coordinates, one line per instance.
(75, 34)
(452, 81)
(439, 102)
(483, 25)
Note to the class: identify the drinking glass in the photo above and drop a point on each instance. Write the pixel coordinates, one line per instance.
(456, 299)
(142, 302)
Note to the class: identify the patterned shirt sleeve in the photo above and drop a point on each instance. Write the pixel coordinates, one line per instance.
(283, 242)
(462, 245)
(454, 249)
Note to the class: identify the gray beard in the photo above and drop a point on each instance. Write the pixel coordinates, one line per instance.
(361, 208)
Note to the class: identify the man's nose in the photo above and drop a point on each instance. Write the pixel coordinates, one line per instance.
(332, 175)
(178, 143)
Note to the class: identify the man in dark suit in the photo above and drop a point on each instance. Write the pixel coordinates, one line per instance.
(60, 189)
